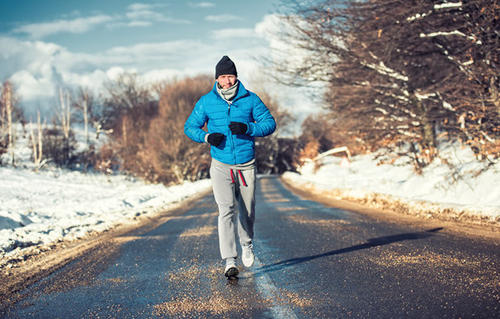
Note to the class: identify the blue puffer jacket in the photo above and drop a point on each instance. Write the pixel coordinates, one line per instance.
(246, 107)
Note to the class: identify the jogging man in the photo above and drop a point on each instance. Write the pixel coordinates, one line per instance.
(234, 117)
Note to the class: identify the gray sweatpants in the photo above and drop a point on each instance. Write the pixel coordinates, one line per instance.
(230, 191)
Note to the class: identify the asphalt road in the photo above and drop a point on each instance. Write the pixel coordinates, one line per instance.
(313, 261)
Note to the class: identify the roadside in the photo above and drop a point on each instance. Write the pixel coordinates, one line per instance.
(390, 209)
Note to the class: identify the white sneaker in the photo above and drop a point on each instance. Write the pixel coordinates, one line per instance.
(231, 269)
(247, 255)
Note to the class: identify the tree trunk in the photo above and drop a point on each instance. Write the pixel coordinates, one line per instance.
(37, 144)
(8, 106)
(86, 120)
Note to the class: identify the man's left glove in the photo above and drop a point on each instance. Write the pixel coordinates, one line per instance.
(238, 128)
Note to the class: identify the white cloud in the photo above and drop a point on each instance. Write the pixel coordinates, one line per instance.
(222, 18)
(139, 24)
(144, 14)
(234, 33)
(137, 15)
(78, 25)
(38, 68)
(139, 6)
(30, 87)
(204, 4)
(156, 51)
(282, 48)
(141, 14)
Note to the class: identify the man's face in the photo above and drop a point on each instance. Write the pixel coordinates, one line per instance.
(226, 80)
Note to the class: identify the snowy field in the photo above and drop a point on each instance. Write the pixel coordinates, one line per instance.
(450, 184)
(49, 206)
(53, 204)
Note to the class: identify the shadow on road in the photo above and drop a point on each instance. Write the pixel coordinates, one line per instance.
(373, 242)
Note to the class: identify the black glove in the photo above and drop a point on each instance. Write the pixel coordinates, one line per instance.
(238, 128)
(214, 139)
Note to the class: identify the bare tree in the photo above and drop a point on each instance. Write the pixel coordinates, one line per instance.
(37, 143)
(7, 118)
(269, 150)
(65, 112)
(85, 103)
(128, 109)
(172, 157)
(401, 71)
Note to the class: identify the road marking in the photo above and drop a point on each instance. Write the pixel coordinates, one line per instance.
(269, 290)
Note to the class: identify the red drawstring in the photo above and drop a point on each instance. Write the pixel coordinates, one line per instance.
(241, 176)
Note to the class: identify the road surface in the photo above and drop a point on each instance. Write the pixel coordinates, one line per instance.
(313, 261)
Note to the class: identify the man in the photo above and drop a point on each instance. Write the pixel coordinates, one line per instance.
(234, 117)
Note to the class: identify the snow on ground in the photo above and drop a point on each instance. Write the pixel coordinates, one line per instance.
(449, 184)
(54, 204)
(45, 207)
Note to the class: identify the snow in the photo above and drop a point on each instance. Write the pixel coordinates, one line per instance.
(440, 187)
(385, 70)
(446, 33)
(53, 204)
(448, 5)
(417, 16)
(49, 206)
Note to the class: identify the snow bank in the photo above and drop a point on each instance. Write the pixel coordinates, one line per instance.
(451, 184)
(49, 206)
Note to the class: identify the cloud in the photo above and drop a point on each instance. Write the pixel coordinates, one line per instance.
(282, 49)
(222, 18)
(156, 51)
(140, 6)
(137, 15)
(37, 69)
(301, 101)
(139, 24)
(234, 33)
(202, 4)
(142, 15)
(78, 25)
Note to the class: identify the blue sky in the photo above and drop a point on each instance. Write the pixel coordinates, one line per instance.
(89, 26)
(48, 44)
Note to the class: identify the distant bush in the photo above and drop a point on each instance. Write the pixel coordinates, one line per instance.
(3, 147)
(275, 155)
(169, 155)
(57, 148)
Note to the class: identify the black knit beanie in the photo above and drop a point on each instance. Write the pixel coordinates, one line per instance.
(225, 66)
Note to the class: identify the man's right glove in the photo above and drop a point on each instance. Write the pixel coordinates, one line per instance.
(214, 139)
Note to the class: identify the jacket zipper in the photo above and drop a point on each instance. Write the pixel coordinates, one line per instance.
(231, 139)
